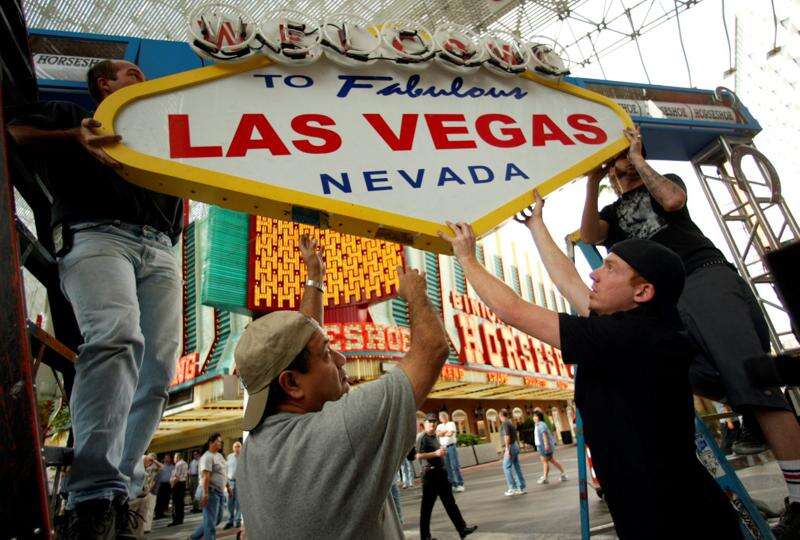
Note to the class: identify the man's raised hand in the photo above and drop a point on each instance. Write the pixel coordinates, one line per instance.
(312, 256)
(599, 172)
(532, 213)
(413, 285)
(93, 142)
(463, 239)
(634, 136)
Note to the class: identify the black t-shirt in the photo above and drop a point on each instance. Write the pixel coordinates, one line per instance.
(632, 390)
(636, 214)
(507, 428)
(83, 189)
(430, 443)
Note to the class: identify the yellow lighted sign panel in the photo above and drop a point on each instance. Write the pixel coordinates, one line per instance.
(358, 270)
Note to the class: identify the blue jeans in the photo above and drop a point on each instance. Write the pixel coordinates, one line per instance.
(234, 512)
(125, 289)
(207, 530)
(407, 473)
(395, 492)
(511, 467)
(453, 466)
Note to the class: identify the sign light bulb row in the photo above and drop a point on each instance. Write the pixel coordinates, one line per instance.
(222, 32)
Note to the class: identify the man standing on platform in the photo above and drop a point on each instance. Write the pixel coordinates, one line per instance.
(448, 439)
(435, 483)
(717, 307)
(118, 269)
(234, 512)
(180, 475)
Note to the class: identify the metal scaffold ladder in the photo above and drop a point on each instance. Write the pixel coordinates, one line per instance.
(754, 220)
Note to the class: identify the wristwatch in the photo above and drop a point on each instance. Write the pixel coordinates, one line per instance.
(316, 284)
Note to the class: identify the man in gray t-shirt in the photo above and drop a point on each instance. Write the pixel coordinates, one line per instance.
(319, 461)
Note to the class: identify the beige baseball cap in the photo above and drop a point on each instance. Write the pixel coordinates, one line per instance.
(266, 348)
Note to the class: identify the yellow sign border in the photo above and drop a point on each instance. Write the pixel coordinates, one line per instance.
(253, 197)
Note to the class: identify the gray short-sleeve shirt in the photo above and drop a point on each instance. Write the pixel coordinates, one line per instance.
(327, 474)
(215, 463)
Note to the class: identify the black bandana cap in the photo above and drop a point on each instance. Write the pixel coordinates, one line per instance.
(657, 264)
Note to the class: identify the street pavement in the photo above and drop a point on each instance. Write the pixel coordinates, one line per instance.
(546, 512)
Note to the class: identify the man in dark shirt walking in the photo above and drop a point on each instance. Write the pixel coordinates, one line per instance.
(119, 271)
(435, 483)
(511, 469)
(717, 306)
(632, 378)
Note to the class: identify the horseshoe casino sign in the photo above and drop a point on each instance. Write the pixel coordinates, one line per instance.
(382, 131)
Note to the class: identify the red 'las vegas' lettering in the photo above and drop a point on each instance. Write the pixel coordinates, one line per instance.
(180, 145)
(583, 122)
(331, 141)
(401, 142)
(243, 140)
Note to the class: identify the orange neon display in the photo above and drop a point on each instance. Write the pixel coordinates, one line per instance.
(187, 369)
(368, 337)
(358, 270)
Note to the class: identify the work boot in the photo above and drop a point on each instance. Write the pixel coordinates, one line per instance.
(788, 528)
(130, 523)
(751, 439)
(95, 520)
(466, 531)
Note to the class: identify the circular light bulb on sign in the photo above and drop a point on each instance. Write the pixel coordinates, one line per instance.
(506, 55)
(549, 57)
(350, 40)
(290, 37)
(221, 32)
(459, 49)
(408, 44)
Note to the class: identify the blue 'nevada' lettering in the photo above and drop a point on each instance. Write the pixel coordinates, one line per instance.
(412, 88)
(378, 180)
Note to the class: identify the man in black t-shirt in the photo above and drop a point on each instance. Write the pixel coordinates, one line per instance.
(632, 379)
(511, 469)
(434, 481)
(118, 269)
(717, 306)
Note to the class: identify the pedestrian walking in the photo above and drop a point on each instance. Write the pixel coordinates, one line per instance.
(213, 483)
(180, 475)
(147, 497)
(447, 433)
(511, 468)
(394, 491)
(164, 489)
(435, 483)
(407, 474)
(192, 481)
(234, 511)
(546, 445)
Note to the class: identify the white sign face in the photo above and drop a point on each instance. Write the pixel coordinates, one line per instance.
(378, 145)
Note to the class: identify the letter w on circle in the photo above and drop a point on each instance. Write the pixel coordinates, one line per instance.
(403, 141)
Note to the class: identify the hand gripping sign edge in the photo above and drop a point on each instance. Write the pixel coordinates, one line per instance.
(247, 195)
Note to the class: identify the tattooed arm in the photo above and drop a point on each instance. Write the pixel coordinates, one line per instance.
(668, 194)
